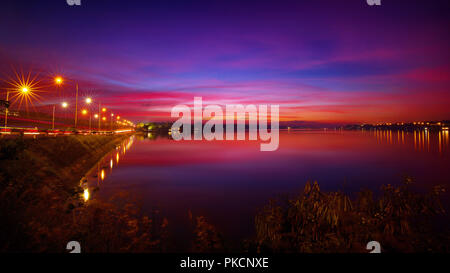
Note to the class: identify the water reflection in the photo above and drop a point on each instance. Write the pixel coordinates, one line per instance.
(86, 194)
(423, 141)
(419, 141)
(202, 176)
(98, 174)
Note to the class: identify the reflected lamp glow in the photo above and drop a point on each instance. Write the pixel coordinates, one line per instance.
(86, 194)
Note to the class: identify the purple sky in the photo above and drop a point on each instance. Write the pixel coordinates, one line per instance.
(328, 61)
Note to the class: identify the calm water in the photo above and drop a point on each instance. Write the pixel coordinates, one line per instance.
(228, 181)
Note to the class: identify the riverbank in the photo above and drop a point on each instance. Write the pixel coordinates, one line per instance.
(40, 193)
(54, 161)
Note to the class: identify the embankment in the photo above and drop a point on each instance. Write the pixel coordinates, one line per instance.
(53, 162)
(39, 188)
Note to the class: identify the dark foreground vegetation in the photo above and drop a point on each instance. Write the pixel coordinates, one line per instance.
(41, 209)
(314, 221)
(400, 219)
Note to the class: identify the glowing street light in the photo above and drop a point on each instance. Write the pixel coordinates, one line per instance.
(58, 80)
(24, 89)
(103, 109)
(103, 118)
(96, 116)
(88, 100)
(84, 112)
(24, 92)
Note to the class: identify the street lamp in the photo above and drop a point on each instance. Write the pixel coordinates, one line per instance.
(63, 105)
(59, 81)
(23, 91)
(88, 100)
(84, 112)
(6, 109)
(99, 114)
(111, 121)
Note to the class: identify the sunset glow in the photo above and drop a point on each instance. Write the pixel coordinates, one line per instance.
(311, 59)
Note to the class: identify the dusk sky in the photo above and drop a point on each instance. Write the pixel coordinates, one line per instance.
(324, 61)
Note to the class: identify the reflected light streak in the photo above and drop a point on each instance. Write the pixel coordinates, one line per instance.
(86, 195)
(440, 143)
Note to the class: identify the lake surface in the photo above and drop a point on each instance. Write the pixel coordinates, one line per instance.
(227, 181)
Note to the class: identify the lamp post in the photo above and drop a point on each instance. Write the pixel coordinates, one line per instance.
(25, 90)
(63, 105)
(53, 119)
(6, 109)
(111, 125)
(100, 116)
(89, 101)
(85, 112)
(59, 81)
(96, 116)
(76, 105)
